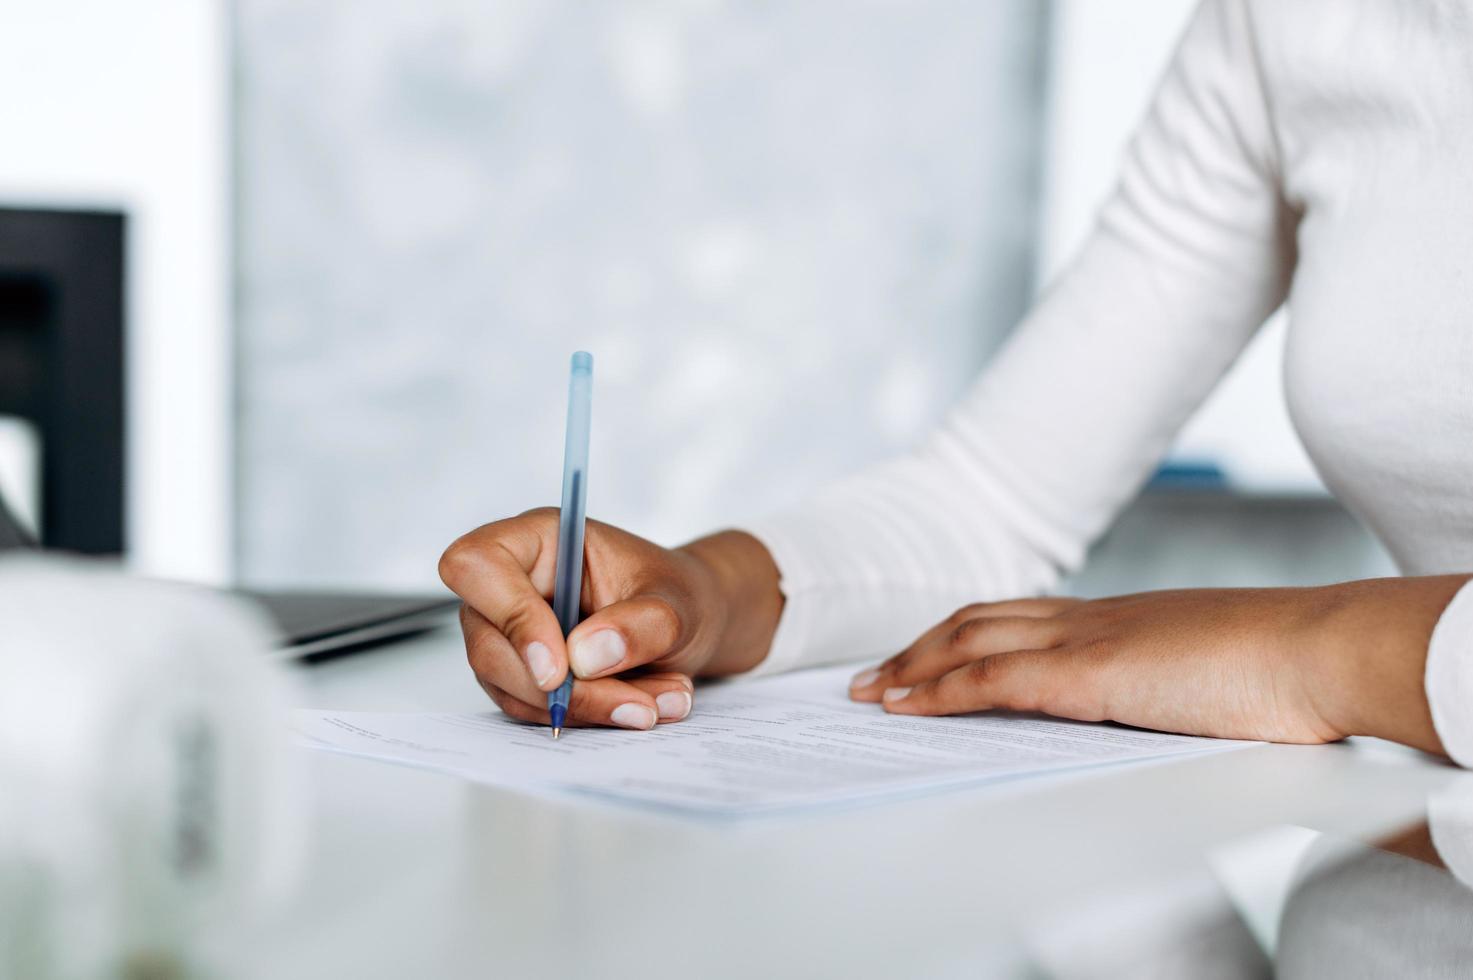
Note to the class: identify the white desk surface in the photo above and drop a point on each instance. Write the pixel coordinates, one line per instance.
(415, 874)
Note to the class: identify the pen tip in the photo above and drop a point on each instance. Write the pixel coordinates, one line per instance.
(556, 732)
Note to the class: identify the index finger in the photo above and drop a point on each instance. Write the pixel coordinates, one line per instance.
(497, 569)
(938, 654)
(1015, 681)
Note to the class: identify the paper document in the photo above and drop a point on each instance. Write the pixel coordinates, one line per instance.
(749, 746)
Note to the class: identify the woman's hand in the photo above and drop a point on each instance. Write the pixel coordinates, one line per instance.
(1285, 665)
(653, 618)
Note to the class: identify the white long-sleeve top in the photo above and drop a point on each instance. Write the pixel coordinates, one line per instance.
(1318, 152)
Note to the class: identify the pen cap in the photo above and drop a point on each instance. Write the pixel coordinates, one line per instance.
(580, 397)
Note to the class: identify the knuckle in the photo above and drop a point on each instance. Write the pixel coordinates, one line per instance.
(477, 648)
(976, 674)
(971, 632)
(540, 514)
(989, 670)
(1056, 633)
(460, 561)
(520, 613)
(991, 673)
(964, 613)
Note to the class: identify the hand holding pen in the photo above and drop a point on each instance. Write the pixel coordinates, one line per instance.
(654, 618)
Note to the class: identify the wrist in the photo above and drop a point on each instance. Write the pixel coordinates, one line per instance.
(1373, 648)
(745, 599)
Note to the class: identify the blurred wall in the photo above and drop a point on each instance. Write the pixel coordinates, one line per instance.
(789, 233)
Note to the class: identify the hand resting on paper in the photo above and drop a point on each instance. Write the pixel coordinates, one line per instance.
(1285, 665)
(653, 618)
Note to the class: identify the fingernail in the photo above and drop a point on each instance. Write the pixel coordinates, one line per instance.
(673, 705)
(633, 715)
(865, 677)
(539, 662)
(597, 653)
(895, 693)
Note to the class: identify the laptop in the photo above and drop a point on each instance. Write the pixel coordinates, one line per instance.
(313, 625)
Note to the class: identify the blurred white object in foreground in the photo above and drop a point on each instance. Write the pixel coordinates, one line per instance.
(144, 805)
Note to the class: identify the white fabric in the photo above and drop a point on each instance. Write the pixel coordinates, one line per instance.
(1317, 152)
(1449, 678)
(1450, 823)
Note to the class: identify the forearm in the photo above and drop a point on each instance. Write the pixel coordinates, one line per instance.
(1370, 663)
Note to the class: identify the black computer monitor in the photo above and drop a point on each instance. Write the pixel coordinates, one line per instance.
(61, 365)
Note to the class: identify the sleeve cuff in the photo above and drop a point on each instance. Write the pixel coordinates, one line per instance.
(795, 625)
(828, 622)
(1449, 677)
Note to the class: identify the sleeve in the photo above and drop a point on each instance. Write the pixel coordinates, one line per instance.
(1449, 678)
(1189, 255)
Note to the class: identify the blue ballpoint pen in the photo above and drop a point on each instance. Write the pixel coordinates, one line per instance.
(567, 592)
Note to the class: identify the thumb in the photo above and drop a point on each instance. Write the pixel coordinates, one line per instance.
(623, 635)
